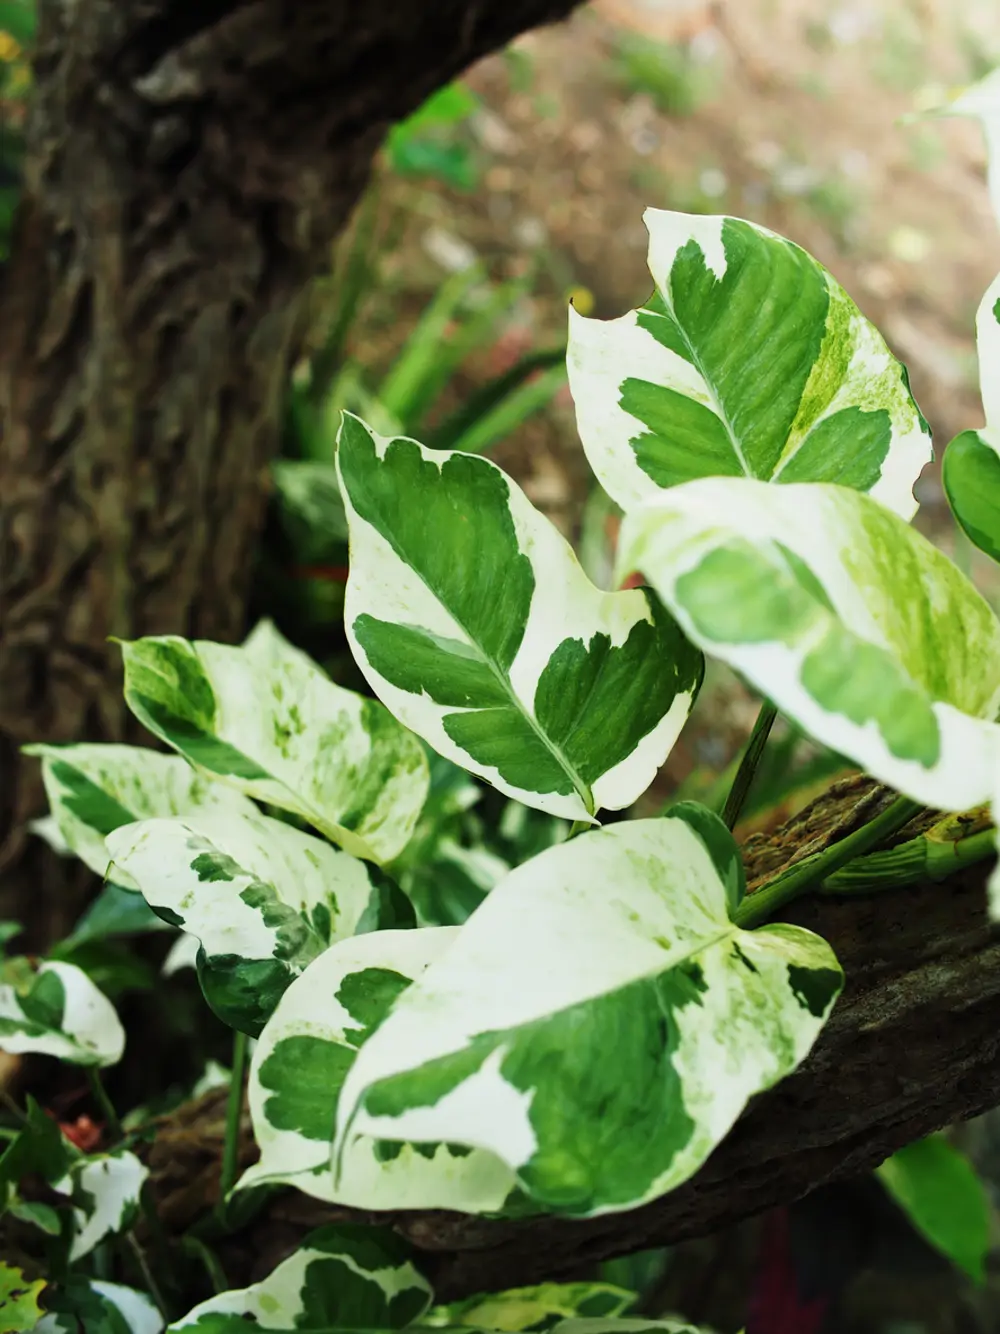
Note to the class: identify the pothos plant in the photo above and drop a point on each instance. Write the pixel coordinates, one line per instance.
(582, 1042)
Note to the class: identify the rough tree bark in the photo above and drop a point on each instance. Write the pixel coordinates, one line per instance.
(189, 165)
(913, 1045)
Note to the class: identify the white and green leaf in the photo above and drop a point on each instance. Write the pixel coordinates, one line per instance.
(599, 1023)
(750, 360)
(472, 620)
(342, 1277)
(971, 468)
(95, 789)
(853, 624)
(263, 898)
(518, 1310)
(56, 1010)
(92, 1306)
(298, 1070)
(104, 1192)
(265, 719)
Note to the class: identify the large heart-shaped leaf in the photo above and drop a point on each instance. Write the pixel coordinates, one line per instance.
(57, 1011)
(851, 622)
(471, 618)
(340, 1278)
(265, 719)
(299, 1067)
(95, 789)
(971, 469)
(599, 1023)
(749, 361)
(263, 898)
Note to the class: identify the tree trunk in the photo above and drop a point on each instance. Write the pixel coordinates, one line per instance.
(189, 165)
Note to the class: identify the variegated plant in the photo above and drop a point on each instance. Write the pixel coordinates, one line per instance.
(749, 360)
(583, 1041)
(473, 621)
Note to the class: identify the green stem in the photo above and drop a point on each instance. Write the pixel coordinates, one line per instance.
(911, 863)
(579, 827)
(812, 871)
(216, 1274)
(107, 1107)
(234, 1107)
(748, 765)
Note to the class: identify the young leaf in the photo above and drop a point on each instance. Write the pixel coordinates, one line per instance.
(750, 360)
(472, 619)
(342, 1277)
(598, 1024)
(95, 789)
(269, 722)
(971, 468)
(851, 622)
(298, 1069)
(104, 1192)
(57, 1011)
(939, 1191)
(263, 898)
(521, 1309)
(19, 1309)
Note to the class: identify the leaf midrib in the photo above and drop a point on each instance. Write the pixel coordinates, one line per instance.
(668, 300)
(581, 788)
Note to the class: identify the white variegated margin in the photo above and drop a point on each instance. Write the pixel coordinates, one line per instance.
(267, 687)
(988, 347)
(303, 870)
(582, 921)
(824, 526)
(109, 1188)
(475, 1183)
(602, 353)
(565, 605)
(145, 782)
(279, 1300)
(90, 1032)
(137, 1310)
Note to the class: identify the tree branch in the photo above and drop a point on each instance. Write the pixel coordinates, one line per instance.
(912, 1046)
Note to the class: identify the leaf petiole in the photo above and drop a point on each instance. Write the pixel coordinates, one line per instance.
(745, 774)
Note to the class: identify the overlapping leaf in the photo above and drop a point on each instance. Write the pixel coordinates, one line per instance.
(299, 1066)
(340, 1278)
(57, 1011)
(749, 361)
(971, 469)
(517, 1310)
(269, 722)
(263, 898)
(95, 789)
(92, 1306)
(852, 622)
(599, 1023)
(472, 619)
